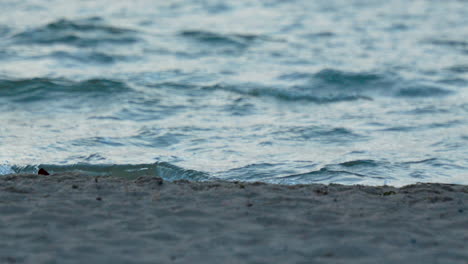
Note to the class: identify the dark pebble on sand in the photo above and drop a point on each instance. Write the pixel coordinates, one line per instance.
(321, 192)
(147, 180)
(42, 172)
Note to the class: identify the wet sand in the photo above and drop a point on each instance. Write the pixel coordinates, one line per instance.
(72, 218)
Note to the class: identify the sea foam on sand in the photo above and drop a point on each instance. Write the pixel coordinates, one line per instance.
(72, 218)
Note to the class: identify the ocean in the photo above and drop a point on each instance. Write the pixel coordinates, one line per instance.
(291, 92)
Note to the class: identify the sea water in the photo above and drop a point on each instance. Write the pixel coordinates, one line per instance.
(351, 92)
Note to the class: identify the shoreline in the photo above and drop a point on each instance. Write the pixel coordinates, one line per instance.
(73, 218)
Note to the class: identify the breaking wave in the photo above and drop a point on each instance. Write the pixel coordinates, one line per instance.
(164, 170)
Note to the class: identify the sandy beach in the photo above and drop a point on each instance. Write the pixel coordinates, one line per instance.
(72, 218)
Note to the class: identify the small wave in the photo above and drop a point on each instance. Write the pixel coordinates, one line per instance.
(450, 43)
(95, 157)
(333, 135)
(430, 161)
(156, 139)
(239, 107)
(145, 111)
(349, 172)
(429, 126)
(463, 68)
(359, 163)
(427, 110)
(214, 39)
(459, 45)
(323, 175)
(96, 141)
(350, 79)
(82, 33)
(89, 57)
(254, 172)
(367, 168)
(401, 129)
(339, 85)
(164, 170)
(37, 89)
(423, 91)
(320, 35)
(325, 86)
(285, 94)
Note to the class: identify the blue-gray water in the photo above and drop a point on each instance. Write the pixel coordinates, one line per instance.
(353, 92)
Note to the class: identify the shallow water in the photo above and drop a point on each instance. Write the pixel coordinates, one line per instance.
(353, 92)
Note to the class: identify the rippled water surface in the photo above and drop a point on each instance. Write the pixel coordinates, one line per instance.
(353, 92)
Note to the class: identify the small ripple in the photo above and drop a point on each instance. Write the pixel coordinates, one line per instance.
(447, 124)
(401, 129)
(92, 158)
(206, 43)
(96, 141)
(349, 79)
(285, 94)
(90, 57)
(216, 39)
(356, 163)
(216, 7)
(459, 45)
(254, 172)
(462, 68)
(336, 85)
(427, 110)
(423, 91)
(330, 86)
(319, 35)
(375, 171)
(239, 107)
(397, 27)
(82, 33)
(156, 138)
(323, 175)
(435, 163)
(147, 112)
(460, 82)
(326, 135)
(366, 168)
(430, 160)
(450, 43)
(449, 145)
(38, 89)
